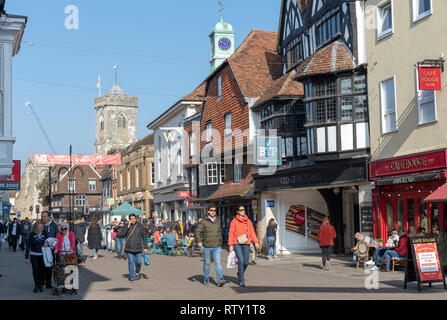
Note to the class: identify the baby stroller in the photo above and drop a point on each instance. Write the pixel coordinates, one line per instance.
(59, 273)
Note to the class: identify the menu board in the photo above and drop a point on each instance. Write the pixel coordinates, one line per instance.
(366, 219)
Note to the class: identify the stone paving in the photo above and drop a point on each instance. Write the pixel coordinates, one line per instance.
(297, 277)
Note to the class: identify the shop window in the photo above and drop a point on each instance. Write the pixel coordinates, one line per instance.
(389, 210)
(410, 208)
(304, 221)
(400, 215)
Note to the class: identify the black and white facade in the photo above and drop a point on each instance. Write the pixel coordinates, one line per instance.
(324, 131)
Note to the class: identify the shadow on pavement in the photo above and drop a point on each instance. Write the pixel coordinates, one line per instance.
(315, 266)
(119, 289)
(258, 289)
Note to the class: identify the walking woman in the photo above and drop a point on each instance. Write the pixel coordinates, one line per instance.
(94, 238)
(271, 239)
(326, 236)
(241, 235)
(34, 243)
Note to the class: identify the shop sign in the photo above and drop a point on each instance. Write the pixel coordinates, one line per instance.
(409, 164)
(270, 203)
(183, 194)
(429, 78)
(13, 181)
(5, 206)
(423, 261)
(139, 195)
(77, 159)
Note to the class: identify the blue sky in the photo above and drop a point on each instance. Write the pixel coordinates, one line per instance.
(161, 47)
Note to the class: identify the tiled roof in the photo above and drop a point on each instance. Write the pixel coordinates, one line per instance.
(284, 86)
(335, 57)
(255, 63)
(148, 140)
(234, 190)
(197, 94)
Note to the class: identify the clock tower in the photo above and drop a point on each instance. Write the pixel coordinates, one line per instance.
(222, 44)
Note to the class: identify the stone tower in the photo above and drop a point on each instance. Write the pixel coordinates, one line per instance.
(116, 120)
(222, 44)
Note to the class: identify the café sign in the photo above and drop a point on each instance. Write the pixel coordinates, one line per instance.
(429, 78)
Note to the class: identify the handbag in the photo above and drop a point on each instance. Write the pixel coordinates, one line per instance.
(243, 238)
(124, 246)
(272, 242)
(71, 259)
(114, 234)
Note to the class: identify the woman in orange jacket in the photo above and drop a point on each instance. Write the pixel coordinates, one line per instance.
(326, 236)
(241, 235)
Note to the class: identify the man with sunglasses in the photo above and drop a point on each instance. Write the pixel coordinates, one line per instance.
(208, 235)
(391, 243)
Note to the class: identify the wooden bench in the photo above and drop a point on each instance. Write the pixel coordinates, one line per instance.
(397, 262)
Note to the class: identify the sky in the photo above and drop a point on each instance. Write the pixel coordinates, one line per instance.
(162, 50)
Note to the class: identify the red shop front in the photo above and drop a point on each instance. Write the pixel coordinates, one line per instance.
(399, 190)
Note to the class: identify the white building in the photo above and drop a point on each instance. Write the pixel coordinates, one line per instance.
(11, 32)
(170, 201)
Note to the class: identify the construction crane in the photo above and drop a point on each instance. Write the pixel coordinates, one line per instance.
(29, 105)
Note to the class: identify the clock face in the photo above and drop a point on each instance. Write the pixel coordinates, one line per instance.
(224, 44)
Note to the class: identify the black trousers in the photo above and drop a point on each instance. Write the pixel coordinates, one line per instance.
(13, 242)
(38, 270)
(326, 251)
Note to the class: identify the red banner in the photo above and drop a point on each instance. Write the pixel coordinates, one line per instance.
(428, 261)
(15, 176)
(429, 78)
(409, 164)
(77, 159)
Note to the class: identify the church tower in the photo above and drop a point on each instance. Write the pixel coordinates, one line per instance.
(116, 120)
(222, 44)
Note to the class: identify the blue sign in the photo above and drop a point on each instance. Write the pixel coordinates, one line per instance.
(5, 206)
(268, 151)
(270, 203)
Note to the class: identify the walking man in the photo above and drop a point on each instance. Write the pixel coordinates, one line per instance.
(15, 229)
(136, 240)
(26, 229)
(208, 235)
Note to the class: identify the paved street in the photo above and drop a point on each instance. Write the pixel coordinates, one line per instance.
(297, 277)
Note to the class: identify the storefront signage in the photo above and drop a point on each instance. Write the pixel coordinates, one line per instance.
(270, 203)
(409, 164)
(13, 181)
(422, 261)
(6, 207)
(183, 194)
(429, 78)
(268, 151)
(139, 195)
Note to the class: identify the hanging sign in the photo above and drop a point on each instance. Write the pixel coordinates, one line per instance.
(77, 159)
(429, 78)
(13, 181)
(422, 261)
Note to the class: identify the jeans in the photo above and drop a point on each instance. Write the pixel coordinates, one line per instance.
(272, 250)
(119, 245)
(14, 243)
(391, 254)
(243, 254)
(79, 249)
(326, 251)
(134, 262)
(95, 251)
(216, 253)
(379, 254)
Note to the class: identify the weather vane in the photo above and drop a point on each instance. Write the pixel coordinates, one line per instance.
(221, 10)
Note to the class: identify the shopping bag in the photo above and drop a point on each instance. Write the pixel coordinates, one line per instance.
(47, 257)
(146, 259)
(231, 260)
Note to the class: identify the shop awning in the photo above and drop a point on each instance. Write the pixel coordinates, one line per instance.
(125, 210)
(439, 195)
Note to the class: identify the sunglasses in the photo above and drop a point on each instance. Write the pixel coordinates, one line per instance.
(64, 229)
(212, 210)
(241, 210)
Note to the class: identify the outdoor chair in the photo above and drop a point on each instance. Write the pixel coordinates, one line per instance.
(362, 252)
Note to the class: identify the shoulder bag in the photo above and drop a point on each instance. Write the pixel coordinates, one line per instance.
(124, 246)
(243, 238)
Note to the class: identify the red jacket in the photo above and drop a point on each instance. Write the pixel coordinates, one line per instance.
(402, 247)
(326, 235)
(60, 240)
(238, 227)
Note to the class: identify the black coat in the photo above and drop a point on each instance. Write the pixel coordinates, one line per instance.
(94, 237)
(138, 241)
(18, 229)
